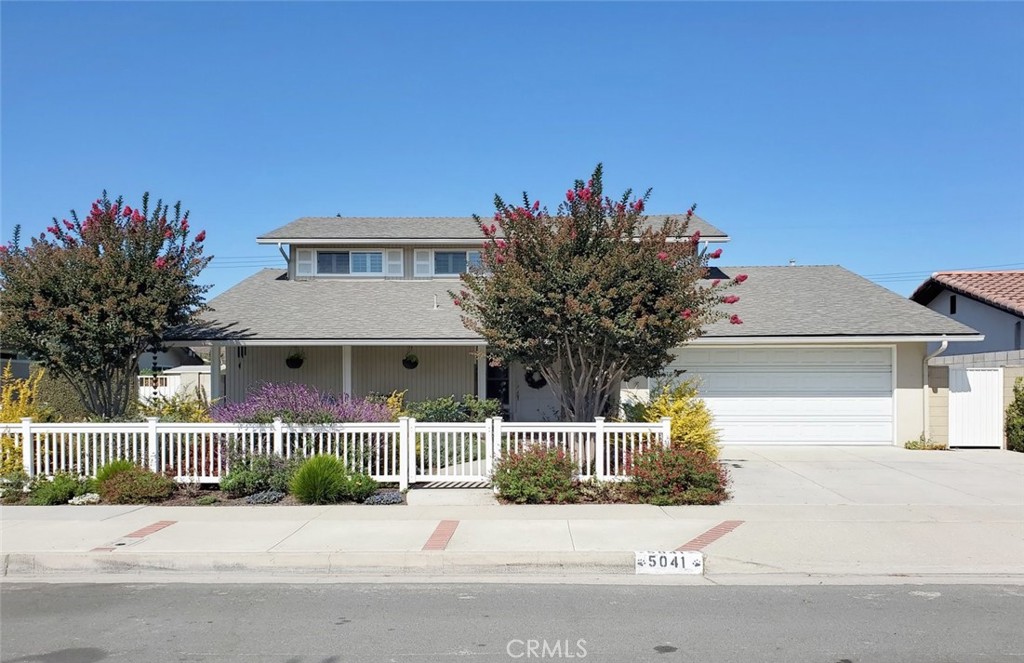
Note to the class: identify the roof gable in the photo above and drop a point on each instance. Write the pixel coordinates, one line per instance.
(1001, 289)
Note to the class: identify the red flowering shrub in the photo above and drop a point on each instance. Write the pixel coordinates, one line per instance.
(536, 475)
(670, 476)
(89, 295)
(592, 293)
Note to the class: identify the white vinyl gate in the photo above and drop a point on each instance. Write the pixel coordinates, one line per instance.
(975, 407)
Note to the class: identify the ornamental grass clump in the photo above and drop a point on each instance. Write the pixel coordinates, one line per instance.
(536, 475)
(300, 404)
(320, 480)
(667, 476)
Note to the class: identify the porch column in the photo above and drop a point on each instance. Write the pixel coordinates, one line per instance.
(481, 372)
(215, 359)
(346, 369)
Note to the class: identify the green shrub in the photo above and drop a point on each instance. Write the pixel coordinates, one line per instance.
(112, 468)
(251, 474)
(692, 422)
(320, 480)
(449, 409)
(60, 397)
(536, 475)
(207, 500)
(59, 490)
(359, 486)
(671, 475)
(923, 443)
(1015, 418)
(137, 485)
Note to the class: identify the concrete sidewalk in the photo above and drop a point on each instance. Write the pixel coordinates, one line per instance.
(784, 541)
(798, 514)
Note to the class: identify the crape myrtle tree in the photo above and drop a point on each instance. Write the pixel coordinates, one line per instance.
(87, 297)
(591, 295)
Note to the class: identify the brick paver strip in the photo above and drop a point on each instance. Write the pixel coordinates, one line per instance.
(150, 529)
(710, 536)
(442, 535)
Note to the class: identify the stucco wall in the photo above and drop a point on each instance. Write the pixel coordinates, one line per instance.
(995, 324)
(442, 371)
(938, 404)
(909, 391)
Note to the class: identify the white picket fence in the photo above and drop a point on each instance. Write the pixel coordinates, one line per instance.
(404, 452)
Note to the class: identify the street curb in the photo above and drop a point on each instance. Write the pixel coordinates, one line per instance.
(439, 563)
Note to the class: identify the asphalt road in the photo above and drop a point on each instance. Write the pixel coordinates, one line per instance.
(138, 623)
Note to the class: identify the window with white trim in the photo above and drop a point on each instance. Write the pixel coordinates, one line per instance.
(453, 263)
(350, 263)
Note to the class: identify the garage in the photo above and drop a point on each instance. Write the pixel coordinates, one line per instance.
(802, 395)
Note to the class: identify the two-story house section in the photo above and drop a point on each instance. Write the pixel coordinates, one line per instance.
(823, 357)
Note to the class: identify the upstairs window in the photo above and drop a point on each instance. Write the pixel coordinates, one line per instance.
(952, 304)
(350, 262)
(453, 263)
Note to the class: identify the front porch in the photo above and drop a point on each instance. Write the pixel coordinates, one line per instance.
(422, 371)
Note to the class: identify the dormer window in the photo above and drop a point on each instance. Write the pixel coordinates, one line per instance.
(445, 262)
(334, 262)
(350, 262)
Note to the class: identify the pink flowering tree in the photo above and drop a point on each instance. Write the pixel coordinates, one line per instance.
(88, 296)
(592, 294)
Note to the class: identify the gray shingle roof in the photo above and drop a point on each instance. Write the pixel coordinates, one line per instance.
(774, 301)
(334, 228)
(824, 301)
(267, 306)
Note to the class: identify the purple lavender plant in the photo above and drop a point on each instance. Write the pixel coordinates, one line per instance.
(299, 404)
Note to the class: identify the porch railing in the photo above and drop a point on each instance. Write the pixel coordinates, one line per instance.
(406, 451)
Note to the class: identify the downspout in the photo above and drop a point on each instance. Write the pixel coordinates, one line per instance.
(942, 348)
(287, 261)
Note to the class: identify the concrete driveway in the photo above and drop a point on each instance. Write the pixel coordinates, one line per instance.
(792, 475)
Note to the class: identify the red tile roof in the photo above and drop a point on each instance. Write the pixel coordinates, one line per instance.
(1003, 289)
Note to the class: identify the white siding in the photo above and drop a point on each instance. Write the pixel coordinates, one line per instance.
(249, 366)
(442, 371)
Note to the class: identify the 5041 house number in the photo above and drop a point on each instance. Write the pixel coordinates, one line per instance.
(669, 562)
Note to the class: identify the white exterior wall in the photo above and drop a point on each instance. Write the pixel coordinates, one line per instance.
(997, 325)
(442, 371)
(910, 392)
(248, 366)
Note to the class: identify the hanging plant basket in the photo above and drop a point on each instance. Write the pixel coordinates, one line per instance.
(294, 360)
(534, 380)
(410, 361)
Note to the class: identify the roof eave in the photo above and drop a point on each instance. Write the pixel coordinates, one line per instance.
(839, 339)
(379, 241)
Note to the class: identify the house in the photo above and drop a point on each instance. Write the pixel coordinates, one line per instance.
(170, 370)
(824, 356)
(991, 302)
(971, 385)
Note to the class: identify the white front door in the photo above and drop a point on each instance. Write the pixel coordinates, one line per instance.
(803, 395)
(975, 407)
(530, 402)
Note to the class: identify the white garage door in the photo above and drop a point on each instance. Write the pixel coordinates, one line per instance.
(795, 395)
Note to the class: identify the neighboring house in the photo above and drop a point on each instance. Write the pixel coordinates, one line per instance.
(824, 356)
(20, 365)
(971, 385)
(169, 371)
(991, 302)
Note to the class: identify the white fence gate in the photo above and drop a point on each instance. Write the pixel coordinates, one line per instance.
(403, 452)
(975, 407)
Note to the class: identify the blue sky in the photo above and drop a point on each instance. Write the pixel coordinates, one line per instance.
(888, 138)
